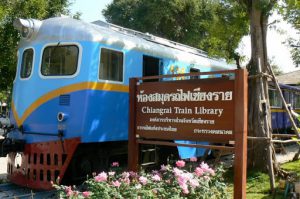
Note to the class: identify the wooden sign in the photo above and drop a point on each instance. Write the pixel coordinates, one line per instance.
(208, 109)
(199, 109)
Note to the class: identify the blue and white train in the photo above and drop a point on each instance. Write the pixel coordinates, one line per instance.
(70, 98)
(280, 119)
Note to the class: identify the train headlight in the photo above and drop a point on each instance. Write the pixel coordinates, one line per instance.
(61, 116)
(27, 27)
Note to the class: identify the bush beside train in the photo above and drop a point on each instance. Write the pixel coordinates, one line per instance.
(69, 114)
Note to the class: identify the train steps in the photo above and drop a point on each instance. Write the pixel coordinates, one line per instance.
(12, 191)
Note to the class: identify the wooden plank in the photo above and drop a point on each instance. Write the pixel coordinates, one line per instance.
(241, 112)
(133, 147)
(284, 102)
(284, 135)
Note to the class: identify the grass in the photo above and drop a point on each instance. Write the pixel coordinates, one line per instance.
(258, 183)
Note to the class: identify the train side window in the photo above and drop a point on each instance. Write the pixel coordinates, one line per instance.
(60, 60)
(27, 63)
(297, 101)
(274, 98)
(111, 65)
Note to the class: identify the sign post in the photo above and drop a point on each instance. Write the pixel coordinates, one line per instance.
(212, 109)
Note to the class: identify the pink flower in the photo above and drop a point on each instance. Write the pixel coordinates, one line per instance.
(204, 166)
(133, 174)
(163, 167)
(101, 177)
(199, 171)
(126, 181)
(206, 177)
(184, 188)
(156, 178)
(177, 171)
(193, 159)
(184, 178)
(116, 183)
(211, 171)
(181, 180)
(143, 180)
(180, 163)
(115, 164)
(86, 194)
(194, 183)
(111, 173)
(125, 175)
(69, 192)
(76, 193)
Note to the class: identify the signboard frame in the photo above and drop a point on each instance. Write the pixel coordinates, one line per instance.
(240, 110)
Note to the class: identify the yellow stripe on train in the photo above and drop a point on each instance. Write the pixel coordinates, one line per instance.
(64, 90)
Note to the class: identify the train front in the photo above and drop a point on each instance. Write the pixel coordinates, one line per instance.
(49, 103)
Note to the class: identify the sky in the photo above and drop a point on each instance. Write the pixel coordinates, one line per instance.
(277, 51)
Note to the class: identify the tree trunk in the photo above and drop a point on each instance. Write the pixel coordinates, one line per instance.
(258, 89)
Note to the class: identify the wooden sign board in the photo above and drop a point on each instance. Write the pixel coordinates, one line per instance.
(198, 109)
(208, 109)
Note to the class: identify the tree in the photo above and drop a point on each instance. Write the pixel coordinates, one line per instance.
(290, 9)
(214, 26)
(9, 37)
(277, 71)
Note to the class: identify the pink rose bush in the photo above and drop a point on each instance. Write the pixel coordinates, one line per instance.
(184, 180)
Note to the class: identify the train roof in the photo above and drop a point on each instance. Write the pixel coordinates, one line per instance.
(286, 87)
(67, 29)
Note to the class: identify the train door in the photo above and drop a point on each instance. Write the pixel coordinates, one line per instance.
(151, 66)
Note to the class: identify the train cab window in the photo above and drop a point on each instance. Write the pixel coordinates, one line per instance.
(297, 101)
(60, 60)
(27, 62)
(111, 65)
(151, 67)
(194, 70)
(274, 98)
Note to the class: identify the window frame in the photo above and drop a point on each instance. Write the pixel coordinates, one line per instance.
(21, 61)
(123, 65)
(272, 106)
(294, 104)
(79, 58)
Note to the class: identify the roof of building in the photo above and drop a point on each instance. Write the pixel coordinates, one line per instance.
(291, 78)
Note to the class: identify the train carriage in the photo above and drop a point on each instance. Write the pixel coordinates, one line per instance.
(280, 120)
(69, 110)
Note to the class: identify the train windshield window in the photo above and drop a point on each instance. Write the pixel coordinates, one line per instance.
(111, 65)
(27, 62)
(60, 60)
(275, 100)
